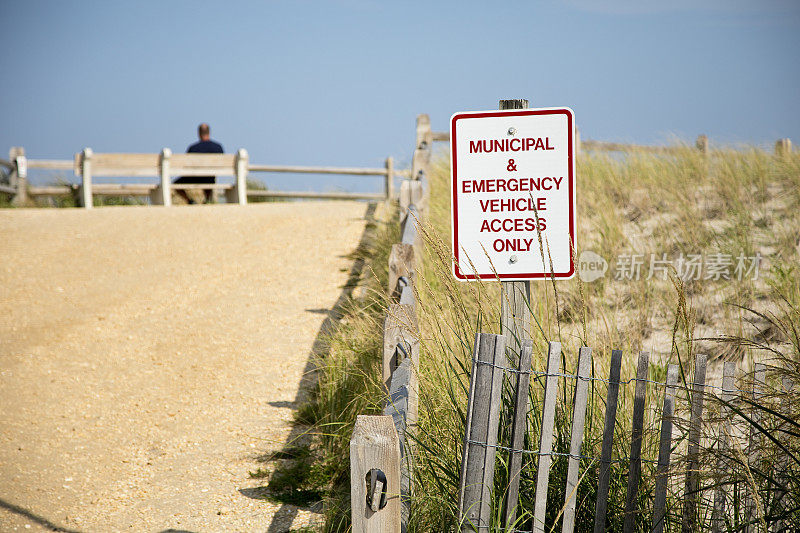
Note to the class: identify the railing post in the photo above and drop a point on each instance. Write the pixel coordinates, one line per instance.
(389, 188)
(20, 173)
(400, 339)
(238, 195)
(162, 195)
(85, 196)
(702, 144)
(375, 476)
(783, 147)
(402, 268)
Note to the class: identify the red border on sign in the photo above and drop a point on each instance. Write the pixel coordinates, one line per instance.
(571, 169)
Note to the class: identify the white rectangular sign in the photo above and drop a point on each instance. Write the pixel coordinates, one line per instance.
(513, 181)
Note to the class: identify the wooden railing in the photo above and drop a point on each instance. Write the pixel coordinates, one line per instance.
(782, 146)
(381, 466)
(88, 166)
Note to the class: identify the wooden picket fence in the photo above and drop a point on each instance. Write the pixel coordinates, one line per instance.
(489, 370)
(88, 165)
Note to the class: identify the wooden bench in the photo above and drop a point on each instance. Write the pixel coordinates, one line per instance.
(165, 166)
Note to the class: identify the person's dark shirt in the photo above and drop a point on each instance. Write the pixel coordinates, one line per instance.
(205, 147)
(202, 147)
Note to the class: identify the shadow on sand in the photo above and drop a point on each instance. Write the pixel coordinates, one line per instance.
(287, 512)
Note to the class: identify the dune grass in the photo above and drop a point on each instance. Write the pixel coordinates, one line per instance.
(734, 205)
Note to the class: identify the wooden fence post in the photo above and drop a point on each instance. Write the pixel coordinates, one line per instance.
(85, 195)
(518, 428)
(604, 477)
(400, 339)
(754, 445)
(238, 194)
(480, 434)
(402, 268)
(546, 437)
(411, 193)
(702, 144)
(637, 431)
(691, 492)
(783, 147)
(579, 402)
(403, 408)
(19, 175)
(728, 383)
(162, 195)
(375, 476)
(389, 188)
(664, 451)
(422, 151)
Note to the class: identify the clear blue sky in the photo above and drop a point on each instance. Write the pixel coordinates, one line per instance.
(340, 82)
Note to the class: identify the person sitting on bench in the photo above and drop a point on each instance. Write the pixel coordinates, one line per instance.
(204, 146)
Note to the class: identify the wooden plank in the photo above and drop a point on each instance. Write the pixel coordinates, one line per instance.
(604, 477)
(294, 169)
(411, 193)
(480, 435)
(400, 332)
(691, 492)
(188, 164)
(664, 450)
(10, 166)
(411, 233)
(440, 136)
(402, 406)
(375, 445)
(579, 401)
(312, 195)
(519, 427)
(51, 164)
(728, 384)
(637, 431)
(123, 165)
(51, 190)
(401, 267)
(754, 445)
(546, 436)
(8, 190)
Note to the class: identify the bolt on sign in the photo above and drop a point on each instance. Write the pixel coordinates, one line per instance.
(513, 194)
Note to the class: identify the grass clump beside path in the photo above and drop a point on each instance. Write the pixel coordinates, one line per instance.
(737, 210)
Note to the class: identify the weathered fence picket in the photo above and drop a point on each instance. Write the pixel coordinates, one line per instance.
(754, 446)
(664, 451)
(546, 436)
(519, 427)
(604, 477)
(480, 435)
(723, 433)
(637, 431)
(579, 401)
(692, 487)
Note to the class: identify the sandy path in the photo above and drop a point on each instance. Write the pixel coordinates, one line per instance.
(149, 355)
